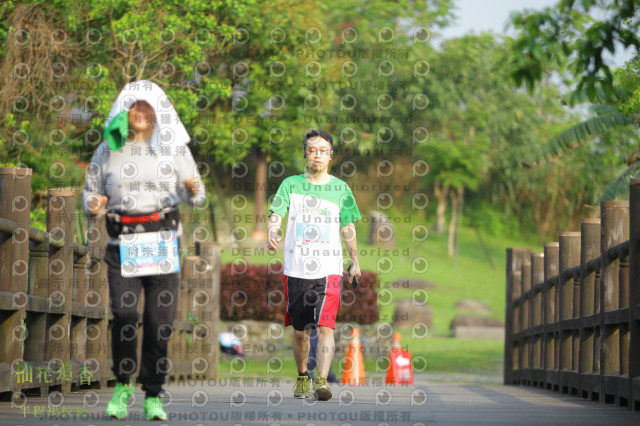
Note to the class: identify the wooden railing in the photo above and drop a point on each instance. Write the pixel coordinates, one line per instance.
(573, 311)
(54, 299)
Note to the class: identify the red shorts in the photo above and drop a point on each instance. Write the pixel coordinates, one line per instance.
(311, 303)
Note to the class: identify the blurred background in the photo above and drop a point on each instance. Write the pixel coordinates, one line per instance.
(463, 128)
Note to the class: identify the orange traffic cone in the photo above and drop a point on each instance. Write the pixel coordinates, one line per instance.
(399, 371)
(353, 373)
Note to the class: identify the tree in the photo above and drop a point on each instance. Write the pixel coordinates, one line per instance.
(567, 36)
(466, 87)
(262, 122)
(299, 81)
(549, 39)
(379, 106)
(482, 128)
(64, 54)
(616, 114)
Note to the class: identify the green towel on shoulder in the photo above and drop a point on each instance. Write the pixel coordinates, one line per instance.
(117, 131)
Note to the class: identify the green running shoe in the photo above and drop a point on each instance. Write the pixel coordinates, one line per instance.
(302, 389)
(117, 407)
(153, 409)
(321, 388)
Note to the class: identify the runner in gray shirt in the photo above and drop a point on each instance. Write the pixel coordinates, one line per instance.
(138, 176)
(141, 177)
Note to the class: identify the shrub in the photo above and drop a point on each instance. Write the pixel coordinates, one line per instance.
(256, 292)
(364, 309)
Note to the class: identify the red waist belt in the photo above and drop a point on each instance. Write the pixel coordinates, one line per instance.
(153, 217)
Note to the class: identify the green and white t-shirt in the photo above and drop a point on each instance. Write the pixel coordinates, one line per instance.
(312, 244)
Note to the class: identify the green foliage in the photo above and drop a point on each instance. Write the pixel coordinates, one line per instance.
(203, 52)
(269, 76)
(580, 133)
(482, 129)
(219, 62)
(613, 125)
(466, 85)
(567, 36)
(491, 219)
(318, 78)
(192, 318)
(109, 43)
(51, 157)
(621, 184)
(580, 96)
(628, 77)
(378, 93)
(38, 218)
(458, 165)
(6, 8)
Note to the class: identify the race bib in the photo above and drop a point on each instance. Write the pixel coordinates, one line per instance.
(149, 253)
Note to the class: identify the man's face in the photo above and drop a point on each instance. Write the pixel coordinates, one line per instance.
(319, 153)
(141, 117)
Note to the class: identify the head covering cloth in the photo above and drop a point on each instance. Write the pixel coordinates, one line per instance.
(168, 129)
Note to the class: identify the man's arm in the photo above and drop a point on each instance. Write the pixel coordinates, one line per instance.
(193, 191)
(275, 220)
(94, 198)
(349, 237)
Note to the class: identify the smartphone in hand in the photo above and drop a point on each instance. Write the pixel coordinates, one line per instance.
(354, 283)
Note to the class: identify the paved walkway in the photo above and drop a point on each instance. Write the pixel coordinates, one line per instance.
(271, 403)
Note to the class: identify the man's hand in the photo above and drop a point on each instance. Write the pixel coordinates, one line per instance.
(192, 185)
(97, 203)
(272, 241)
(349, 238)
(273, 226)
(354, 271)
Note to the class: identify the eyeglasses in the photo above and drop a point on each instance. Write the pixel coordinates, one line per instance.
(321, 152)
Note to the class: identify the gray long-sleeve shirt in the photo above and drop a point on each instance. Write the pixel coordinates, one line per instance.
(142, 178)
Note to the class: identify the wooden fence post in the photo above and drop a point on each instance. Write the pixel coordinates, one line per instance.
(60, 211)
(537, 280)
(634, 294)
(583, 328)
(98, 295)
(210, 252)
(625, 333)
(515, 259)
(54, 297)
(15, 204)
(569, 258)
(525, 323)
(614, 225)
(179, 353)
(551, 268)
(36, 321)
(590, 249)
(78, 350)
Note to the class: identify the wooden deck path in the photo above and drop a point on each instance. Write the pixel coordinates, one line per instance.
(424, 403)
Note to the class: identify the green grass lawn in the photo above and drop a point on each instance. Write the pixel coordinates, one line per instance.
(430, 355)
(471, 278)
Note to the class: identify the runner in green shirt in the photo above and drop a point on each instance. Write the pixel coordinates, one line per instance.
(321, 209)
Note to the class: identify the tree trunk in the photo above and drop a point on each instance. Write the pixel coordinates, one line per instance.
(222, 199)
(452, 224)
(459, 205)
(441, 196)
(260, 189)
(457, 200)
